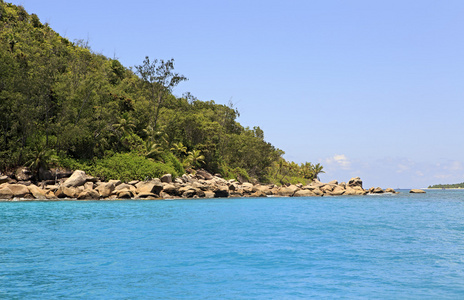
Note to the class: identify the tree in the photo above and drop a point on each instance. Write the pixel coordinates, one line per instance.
(194, 158)
(158, 80)
(317, 169)
(179, 149)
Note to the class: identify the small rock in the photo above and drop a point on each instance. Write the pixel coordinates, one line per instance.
(206, 175)
(377, 190)
(417, 191)
(4, 179)
(115, 182)
(166, 178)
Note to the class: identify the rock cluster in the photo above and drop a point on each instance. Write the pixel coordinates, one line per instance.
(201, 185)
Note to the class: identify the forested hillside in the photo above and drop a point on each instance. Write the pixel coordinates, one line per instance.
(61, 104)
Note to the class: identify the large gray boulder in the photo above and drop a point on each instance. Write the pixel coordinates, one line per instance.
(265, 189)
(67, 192)
(6, 193)
(88, 194)
(337, 191)
(37, 192)
(105, 189)
(19, 190)
(125, 186)
(287, 191)
(247, 187)
(355, 191)
(171, 189)
(206, 175)
(221, 191)
(355, 182)
(78, 178)
(151, 187)
(167, 178)
(304, 193)
(124, 194)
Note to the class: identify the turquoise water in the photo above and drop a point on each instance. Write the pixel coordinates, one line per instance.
(408, 246)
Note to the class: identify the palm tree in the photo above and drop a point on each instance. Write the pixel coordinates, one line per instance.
(317, 169)
(42, 158)
(307, 170)
(179, 149)
(125, 126)
(194, 159)
(152, 149)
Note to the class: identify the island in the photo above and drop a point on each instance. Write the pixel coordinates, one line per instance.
(447, 186)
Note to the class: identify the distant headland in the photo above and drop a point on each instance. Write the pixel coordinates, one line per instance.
(447, 186)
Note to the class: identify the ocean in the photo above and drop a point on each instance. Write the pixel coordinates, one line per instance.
(405, 246)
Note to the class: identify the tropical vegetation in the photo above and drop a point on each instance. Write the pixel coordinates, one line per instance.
(63, 105)
(447, 186)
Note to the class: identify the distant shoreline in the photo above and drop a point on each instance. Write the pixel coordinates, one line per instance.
(445, 188)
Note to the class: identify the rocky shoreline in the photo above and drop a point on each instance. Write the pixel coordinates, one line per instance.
(202, 184)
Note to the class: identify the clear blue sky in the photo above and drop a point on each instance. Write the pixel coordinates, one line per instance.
(367, 88)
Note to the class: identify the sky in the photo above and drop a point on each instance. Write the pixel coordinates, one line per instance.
(373, 89)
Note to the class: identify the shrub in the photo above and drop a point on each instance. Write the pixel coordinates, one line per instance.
(172, 161)
(236, 173)
(122, 166)
(130, 166)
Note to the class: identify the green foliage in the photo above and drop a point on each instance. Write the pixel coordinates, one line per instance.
(105, 119)
(169, 159)
(447, 186)
(130, 166)
(194, 159)
(236, 173)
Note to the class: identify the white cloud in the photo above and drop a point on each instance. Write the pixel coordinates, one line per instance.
(340, 161)
(454, 166)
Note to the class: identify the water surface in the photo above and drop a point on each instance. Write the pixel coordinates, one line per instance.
(408, 246)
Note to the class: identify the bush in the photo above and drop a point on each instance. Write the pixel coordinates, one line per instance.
(236, 173)
(130, 166)
(122, 166)
(172, 161)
